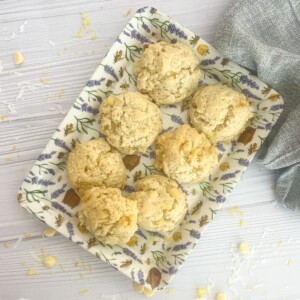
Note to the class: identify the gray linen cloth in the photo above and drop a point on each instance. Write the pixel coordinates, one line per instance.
(264, 36)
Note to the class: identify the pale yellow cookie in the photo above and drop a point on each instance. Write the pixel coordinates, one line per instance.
(161, 203)
(220, 112)
(130, 122)
(185, 155)
(168, 73)
(95, 164)
(108, 216)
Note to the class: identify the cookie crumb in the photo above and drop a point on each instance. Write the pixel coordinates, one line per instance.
(289, 262)
(235, 210)
(18, 58)
(221, 296)
(242, 223)
(32, 272)
(49, 261)
(244, 248)
(84, 291)
(7, 245)
(138, 287)
(148, 293)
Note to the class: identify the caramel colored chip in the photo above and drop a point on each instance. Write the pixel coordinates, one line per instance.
(71, 198)
(131, 161)
(247, 136)
(154, 278)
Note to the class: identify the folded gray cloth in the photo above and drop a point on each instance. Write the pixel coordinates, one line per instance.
(264, 36)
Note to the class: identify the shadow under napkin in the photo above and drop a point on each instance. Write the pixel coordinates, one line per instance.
(264, 36)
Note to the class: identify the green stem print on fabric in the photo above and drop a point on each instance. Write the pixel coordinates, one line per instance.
(234, 78)
(61, 165)
(130, 77)
(163, 26)
(227, 187)
(36, 195)
(178, 258)
(213, 212)
(207, 189)
(150, 170)
(132, 52)
(82, 125)
(160, 259)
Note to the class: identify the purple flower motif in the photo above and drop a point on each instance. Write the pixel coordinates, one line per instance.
(86, 107)
(70, 229)
(207, 62)
(220, 147)
(155, 233)
(44, 156)
(136, 35)
(141, 277)
(244, 162)
(129, 253)
(229, 175)
(59, 207)
(183, 189)
(128, 188)
(146, 27)
(152, 154)
(244, 79)
(61, 144)
(195, 234)
(119, 40)
(177, 119)
(36, 180)
(268, 126)
(58, 192)
(172, 270)
(126, 33)
(166, 130)
(109, 70)
(218, 199)
(178, 32)
(216, 77)
(181, 246)
(248, 94)
(141, 10)
(132, 274)
(276, 107)
(92, 83)
(140, 233)
(130, 25)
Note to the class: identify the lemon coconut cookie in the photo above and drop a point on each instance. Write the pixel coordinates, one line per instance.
(95, 164)
(130, 122)
(161, 203)
(168, 73)
(108, 216)
(220, 112)
(185, 155)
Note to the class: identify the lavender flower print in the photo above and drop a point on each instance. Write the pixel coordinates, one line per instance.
(109, 70)
(178, 32)
(136, 35)
(246, 80)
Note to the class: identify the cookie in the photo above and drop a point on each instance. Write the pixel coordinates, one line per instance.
(161, 203)
(168, 73)
(108, 216)
(130, 122)
(185, 155)
(220, 112)
(95, 164)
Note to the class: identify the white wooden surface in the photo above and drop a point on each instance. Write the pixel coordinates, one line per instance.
(271, 270)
